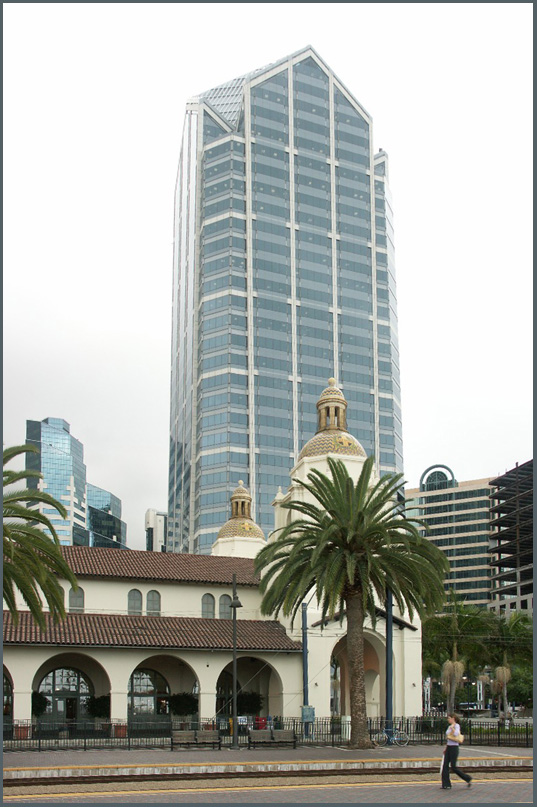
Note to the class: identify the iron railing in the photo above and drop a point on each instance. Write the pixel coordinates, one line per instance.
(43, 735)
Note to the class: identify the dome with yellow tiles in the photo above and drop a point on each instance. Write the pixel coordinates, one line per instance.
(332, 441)
(332, 436)
(241, 524)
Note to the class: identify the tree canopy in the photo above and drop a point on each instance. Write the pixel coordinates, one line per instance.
(350, 546)
(32, 560)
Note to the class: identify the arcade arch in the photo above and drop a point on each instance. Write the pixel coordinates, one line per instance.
(153, 681)
(67, 680)
(253, 675)
(7, 709)
(374, 666)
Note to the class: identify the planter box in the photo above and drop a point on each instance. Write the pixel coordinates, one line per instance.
(21, 732)
(119, 730)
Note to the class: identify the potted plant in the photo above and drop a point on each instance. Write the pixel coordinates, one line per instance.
(183, 704)
(99, 709)
(39, 704)
(249, 703)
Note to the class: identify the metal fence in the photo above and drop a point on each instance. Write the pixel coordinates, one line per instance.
(39, 735)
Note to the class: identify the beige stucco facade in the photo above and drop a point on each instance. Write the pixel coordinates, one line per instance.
(277, 674)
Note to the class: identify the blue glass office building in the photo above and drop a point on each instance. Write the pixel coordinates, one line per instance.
(283, 277)
(93, 514)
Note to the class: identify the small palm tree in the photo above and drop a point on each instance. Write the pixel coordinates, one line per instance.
(32, 560)
(511, 642)
(350, 549)
(462, 633)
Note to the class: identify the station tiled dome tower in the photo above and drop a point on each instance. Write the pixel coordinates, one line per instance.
(240, 536)
(331, 440)
(332, 436)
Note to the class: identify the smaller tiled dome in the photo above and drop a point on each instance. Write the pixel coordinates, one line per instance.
(241, 524)
(240, 528)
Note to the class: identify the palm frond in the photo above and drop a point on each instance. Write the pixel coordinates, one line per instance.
(33, 562)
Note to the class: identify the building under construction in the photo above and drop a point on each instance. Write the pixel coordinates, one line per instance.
(511, 540)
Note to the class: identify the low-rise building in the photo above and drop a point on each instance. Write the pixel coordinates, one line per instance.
(146, 625)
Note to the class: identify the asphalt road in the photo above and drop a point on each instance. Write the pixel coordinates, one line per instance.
(409, 790)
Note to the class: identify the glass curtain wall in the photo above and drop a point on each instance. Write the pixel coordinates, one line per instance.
(284, 277)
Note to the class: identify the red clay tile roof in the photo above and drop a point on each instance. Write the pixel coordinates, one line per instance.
(112, 630)
(135, 564)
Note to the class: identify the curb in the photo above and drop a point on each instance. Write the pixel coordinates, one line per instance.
(108, 773)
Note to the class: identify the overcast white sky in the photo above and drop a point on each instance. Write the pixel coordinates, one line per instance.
(94, 97)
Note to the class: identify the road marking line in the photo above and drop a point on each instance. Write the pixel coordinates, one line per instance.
(499, 754)
(96, 793)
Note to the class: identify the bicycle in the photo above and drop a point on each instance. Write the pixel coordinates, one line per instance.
(398, 736)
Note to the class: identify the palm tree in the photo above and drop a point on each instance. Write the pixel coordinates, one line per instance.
(350, 550)
(461, 633)
(511, 642)
(32, 559)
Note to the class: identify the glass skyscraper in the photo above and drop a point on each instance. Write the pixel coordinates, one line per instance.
(283, 277)
(93, 514)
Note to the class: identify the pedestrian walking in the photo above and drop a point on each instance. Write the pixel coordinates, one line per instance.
(451, 753)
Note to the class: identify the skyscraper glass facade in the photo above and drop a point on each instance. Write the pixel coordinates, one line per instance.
(105, 526)
(93, 514)
(283, 277)
(61, 461)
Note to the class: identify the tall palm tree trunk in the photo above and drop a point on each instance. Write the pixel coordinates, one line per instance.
(355, 651)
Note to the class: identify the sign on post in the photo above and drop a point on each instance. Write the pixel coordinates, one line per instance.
(308, 714)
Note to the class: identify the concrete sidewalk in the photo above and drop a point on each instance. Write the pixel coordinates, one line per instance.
(116, 764)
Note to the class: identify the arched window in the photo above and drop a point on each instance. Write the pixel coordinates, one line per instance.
(224, 607)
(207, 606)
(8, 698)
(135, 602)
(67, 691)
(436, 481)
(153, 603)
(149, 694)
(76, 601)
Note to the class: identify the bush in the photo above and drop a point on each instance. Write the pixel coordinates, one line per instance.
(98, 707)
(183, 703)
(39, 704)
(249, 703)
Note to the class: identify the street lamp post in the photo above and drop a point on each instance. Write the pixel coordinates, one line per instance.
(235, 603)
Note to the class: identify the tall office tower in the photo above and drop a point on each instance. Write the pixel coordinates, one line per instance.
(283, 277)
(61, 461)
(511, 546)
(458, 517)
(93, 514)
